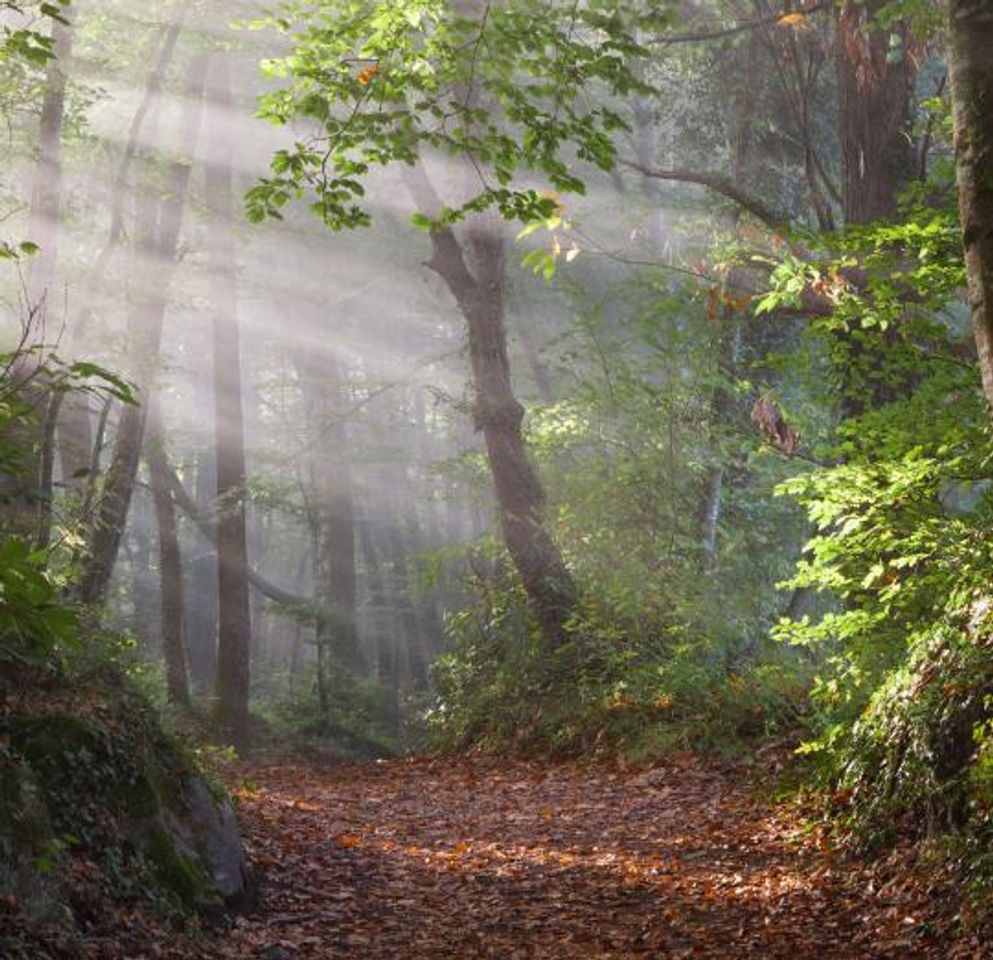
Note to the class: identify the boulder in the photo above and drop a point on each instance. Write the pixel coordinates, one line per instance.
(204, 829)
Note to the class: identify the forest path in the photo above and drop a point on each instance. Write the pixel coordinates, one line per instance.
(484, 858)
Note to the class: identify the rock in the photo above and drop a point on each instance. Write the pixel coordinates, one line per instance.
(205, 830)
(88, 776)
(26, 840)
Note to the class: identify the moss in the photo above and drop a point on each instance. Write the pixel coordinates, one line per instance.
(95, 757)
(174, 870)
(43, 739)
(114, 766)
(25, 828)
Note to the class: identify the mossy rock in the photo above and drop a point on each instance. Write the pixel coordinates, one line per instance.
(98, 779)
(27, 842)
(184, 875)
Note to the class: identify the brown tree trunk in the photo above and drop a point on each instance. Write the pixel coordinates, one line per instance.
(201, 593)
(970, 60)
(877, 160)
(46, 486)
(28, 490)
(498, 415)
(170, 565)
(382, 632)
(76, 439)
(233, 610)
(874, 91)
(144, 335)
(142, 588)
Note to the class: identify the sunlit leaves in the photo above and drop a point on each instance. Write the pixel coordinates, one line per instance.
(515, 88)
(27, 43)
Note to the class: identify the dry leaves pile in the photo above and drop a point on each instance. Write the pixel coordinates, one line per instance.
(483, 858)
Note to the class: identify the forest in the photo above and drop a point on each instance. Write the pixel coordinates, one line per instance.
(496, 478)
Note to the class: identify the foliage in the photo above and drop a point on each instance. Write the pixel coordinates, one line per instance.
(902, 515)
(350, 722)
(629, 687)
(887, 294)
(37, 626)
(508, 87)
(27, 43)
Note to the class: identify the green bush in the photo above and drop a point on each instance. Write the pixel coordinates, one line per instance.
(613, 689)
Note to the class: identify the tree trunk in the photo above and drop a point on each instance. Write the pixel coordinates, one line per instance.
(382, 634)
(27, 490)
(46, 486)
(498, 415)
(233, 611)
(143, 588)
(970, 60)
(201, 593)
(170, 565)
(722, 407)
(76, 440)
(160, 222)
(331, 509)
(874, 91)
(147, 311)
(46, 193)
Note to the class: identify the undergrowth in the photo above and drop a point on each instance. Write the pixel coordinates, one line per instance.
(606, 692)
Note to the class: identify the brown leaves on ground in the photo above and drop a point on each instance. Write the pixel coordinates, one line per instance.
(485, 858)
(471, 858)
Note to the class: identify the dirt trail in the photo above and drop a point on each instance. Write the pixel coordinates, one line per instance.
(463, 859)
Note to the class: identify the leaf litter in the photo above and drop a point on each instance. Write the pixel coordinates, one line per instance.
(480, 857)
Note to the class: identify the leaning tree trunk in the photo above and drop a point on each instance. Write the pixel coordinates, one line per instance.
(76, 440)
(233, 608)
(146, 312)
(970, 60)
(498, 415)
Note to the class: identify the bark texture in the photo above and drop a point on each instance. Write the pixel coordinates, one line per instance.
(498, 416)
(970, 60)
(46, 193)
(874, 91)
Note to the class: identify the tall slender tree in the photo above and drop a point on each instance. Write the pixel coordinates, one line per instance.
(160, 217)
(171, 605)
(330, 510)
(233, 609)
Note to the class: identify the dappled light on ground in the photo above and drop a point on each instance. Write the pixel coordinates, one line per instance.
(472, 859)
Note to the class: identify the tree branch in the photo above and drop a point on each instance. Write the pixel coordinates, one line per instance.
(186, 503)
(718, 184)
(703, 36)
